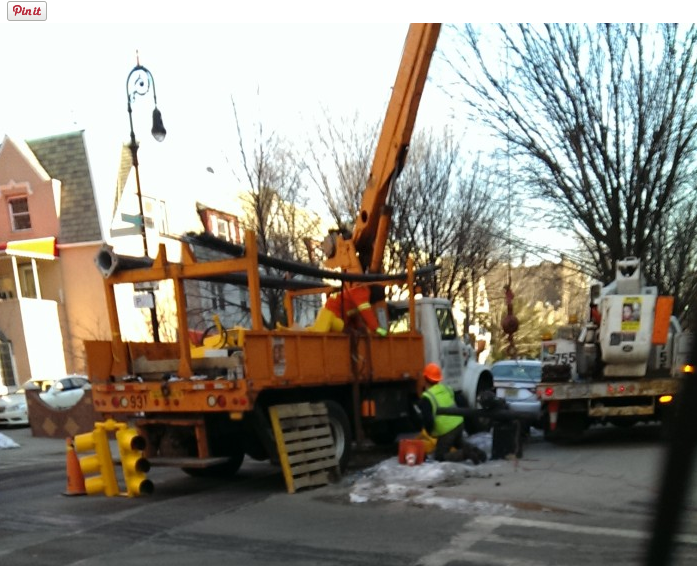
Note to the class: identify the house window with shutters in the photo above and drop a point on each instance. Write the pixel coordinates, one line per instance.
(223, 229)
(224, 226)
(19, 213)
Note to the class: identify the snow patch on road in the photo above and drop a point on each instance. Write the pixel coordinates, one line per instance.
(7, 442)
(418, 485)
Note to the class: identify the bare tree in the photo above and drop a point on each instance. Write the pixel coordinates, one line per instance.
(673, 242)
(602, 122)
(274, 202)
(446, 214)
(339, 165)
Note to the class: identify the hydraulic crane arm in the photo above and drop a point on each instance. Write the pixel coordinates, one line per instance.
(365, 250)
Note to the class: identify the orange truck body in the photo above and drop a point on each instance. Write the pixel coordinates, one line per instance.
(374, 380)
(216, 406)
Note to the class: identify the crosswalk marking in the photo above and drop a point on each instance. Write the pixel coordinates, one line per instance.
(483, 527)
(497, 521)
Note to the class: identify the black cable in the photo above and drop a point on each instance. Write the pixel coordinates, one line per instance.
(211, 242)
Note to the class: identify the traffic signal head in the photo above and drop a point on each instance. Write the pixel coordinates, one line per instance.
(98, 467)
(135, 466)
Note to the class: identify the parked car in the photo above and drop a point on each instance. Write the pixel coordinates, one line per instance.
(515, 382)
(42, 384)
(66, 391)
(13, 409)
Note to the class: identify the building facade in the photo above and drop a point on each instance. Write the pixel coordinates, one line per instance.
(51, 294)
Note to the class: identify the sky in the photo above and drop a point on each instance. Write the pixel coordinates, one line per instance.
(69, 73)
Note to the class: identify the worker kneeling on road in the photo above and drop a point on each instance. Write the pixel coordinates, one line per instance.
(448, 430)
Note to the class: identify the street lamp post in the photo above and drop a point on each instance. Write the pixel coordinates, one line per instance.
(138, 83)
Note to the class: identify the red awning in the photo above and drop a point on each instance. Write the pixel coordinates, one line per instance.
(38, 248)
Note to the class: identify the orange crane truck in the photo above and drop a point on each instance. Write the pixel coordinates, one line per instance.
(205, 413)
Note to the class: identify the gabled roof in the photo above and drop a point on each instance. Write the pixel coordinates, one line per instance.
(125, 166)
(64, 157)
(27, 154)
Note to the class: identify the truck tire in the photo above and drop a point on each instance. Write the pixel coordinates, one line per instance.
(480, 424)
(341, 431)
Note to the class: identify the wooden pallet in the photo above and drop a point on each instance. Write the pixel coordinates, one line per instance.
(305, 444)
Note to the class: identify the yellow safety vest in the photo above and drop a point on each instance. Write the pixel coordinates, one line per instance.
(441, 396)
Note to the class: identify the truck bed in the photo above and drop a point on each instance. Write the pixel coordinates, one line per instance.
(229, 380)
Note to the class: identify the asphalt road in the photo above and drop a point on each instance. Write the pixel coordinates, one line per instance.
(590, 502)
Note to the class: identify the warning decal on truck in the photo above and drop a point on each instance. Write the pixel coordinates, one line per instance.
(279, 356)
(631, 313)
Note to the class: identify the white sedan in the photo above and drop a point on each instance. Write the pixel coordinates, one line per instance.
(13, 409)
(66, 391)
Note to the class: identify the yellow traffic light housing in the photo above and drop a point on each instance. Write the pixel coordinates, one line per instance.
(135, 466)
(97, 468)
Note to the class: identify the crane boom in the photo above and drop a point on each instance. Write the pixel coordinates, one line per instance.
(365, 249)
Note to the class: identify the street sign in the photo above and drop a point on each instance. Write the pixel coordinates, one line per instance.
(130, 231)
(144, 301)
(132, 219)
(146, 286)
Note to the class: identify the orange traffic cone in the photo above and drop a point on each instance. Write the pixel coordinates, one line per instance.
(76, 481)
(553, 409)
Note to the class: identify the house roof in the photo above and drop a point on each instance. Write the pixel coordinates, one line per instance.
(64, 157)
(27, 154)
(125, 166)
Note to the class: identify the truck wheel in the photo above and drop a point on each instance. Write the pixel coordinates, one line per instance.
(341, 431)
(480, 424)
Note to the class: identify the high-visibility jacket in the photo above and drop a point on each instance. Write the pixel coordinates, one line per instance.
(441, 396)
(360, 297)
(355, 301)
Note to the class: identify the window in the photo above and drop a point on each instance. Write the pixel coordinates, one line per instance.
(446, 323)
(223, 229)
(19, 214)
(155, 213)
(224, 226)
(27, 281)
(399, 319)
(218, 296)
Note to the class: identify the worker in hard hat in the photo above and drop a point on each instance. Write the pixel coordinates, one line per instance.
(448, 430)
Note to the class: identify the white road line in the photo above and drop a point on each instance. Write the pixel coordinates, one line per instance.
(496, 521)
(483, 527)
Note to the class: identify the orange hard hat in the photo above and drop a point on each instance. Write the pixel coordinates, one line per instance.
(432, 373)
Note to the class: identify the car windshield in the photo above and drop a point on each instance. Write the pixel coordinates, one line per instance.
(517, 372)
